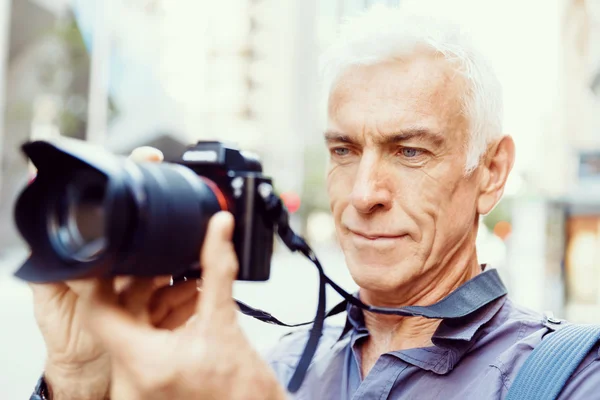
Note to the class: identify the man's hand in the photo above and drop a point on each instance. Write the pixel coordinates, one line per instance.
(78, 365)
(208, 358)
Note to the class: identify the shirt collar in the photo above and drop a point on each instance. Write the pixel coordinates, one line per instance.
(451, 340)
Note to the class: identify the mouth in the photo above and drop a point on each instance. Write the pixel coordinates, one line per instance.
(372, 236)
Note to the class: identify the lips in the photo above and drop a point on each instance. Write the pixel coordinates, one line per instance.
(375, 236)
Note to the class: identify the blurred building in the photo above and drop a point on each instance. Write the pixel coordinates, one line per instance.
(241, 71)
(37, 77)
(237, 71)
(582, 128)
(554, 249)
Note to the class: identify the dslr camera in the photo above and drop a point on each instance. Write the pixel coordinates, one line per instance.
(91, 213)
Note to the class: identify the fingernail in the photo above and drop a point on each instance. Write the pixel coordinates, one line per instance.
(146, 153)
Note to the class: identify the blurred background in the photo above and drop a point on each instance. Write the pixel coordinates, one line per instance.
(127, 73)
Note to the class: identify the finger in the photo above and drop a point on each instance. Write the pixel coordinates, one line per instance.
(121, 283)
(179, 316)
(168, 299)
(219, 265)
(136, 296)
(48, 290)
(48, 295)
(162, 281)
(191, 321)
(146, 154)
(84, 288)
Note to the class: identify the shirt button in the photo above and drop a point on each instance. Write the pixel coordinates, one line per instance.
(553, 320)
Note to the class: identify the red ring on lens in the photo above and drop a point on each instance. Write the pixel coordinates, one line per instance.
(221, 199)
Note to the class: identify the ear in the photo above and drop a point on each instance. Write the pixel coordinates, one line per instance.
(496, 167)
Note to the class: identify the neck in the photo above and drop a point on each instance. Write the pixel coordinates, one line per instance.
(392, 332)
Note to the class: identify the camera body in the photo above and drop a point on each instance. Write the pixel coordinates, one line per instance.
(91, 213)
(236, 177)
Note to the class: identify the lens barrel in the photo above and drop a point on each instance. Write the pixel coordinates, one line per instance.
(89, 214)
(167, 221)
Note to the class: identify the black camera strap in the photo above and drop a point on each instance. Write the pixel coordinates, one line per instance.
(456, 305)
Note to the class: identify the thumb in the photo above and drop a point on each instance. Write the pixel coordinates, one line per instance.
(219, 265)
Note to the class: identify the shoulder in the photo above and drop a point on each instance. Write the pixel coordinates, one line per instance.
(528, 329)
(513, 312)
(585, 381)
(515, 326)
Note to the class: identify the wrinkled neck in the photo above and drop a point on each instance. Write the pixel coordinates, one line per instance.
(392, 332)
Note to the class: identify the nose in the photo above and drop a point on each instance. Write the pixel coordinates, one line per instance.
(371, 191)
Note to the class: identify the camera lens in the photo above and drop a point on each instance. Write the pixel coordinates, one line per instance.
(76, 221)
(91, 213)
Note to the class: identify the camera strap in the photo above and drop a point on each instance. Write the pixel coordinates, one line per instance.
(477, 292)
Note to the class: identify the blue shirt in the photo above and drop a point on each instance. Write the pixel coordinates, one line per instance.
(473, 357)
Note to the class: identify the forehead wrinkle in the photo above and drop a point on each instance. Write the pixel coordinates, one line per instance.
(434, 94)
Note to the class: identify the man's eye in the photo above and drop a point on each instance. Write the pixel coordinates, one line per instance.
(341, 151)
(410, 152)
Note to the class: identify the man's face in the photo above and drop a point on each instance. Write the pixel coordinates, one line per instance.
(402, 204)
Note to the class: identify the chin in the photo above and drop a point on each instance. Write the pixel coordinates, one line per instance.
(380, 275)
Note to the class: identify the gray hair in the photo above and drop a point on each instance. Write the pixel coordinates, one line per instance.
(382, 33)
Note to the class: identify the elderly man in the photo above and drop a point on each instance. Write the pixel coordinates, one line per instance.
(417, 154)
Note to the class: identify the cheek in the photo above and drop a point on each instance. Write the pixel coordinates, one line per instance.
(462, 207)
(420, 195)
(339, 187)
(431, 204)
(447, 207)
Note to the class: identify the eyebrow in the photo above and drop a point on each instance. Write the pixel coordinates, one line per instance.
(420, 134)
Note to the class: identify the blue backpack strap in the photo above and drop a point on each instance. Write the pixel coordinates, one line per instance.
(552, 362)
